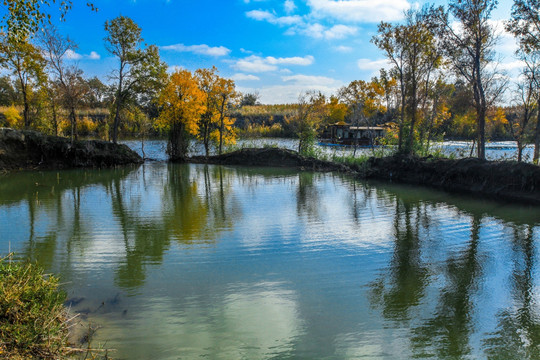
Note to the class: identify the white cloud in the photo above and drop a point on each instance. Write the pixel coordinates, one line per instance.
(372, 11)
(372, 65)
(289, 6)
(72, 55)
(343, 49)
(257, 64)
(262, 15)
(298, 25)
(244, 77)
(254, 64)
(296, 60)
(338, 32)
(311, 80)
(199, 49)
(94, 56)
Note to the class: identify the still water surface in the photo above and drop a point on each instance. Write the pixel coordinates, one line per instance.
(188, 261)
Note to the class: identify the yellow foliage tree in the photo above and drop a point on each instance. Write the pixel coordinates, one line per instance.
(13, 117)
(182, 103)
(336, 110)
(227, 98)
(215, 125)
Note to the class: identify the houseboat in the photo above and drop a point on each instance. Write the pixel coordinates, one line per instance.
(345, 134)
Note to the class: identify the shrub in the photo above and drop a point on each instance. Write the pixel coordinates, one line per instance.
(32, 313)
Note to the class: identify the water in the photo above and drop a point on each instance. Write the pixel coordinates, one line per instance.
(501, 150)
(187, 261)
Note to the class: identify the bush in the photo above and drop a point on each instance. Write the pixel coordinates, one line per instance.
(32, 313)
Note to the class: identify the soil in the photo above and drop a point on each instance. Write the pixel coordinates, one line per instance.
(25, 149)
(504, 180)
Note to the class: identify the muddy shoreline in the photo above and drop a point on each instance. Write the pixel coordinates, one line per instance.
(30, 150)
(502, 180)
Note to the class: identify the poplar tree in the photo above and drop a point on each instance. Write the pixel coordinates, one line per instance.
(139, 70)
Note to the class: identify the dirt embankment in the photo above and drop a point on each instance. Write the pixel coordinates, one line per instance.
(270, 157)
(33, 150)
(504, 180)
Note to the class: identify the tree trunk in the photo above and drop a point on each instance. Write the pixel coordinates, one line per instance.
(520, 150)
(178, 142)
(481, 133)
(537, 139)
(402, 116)
(55, 120)
(26, 110)
(409, 147)
(73, 118)
(116, 122)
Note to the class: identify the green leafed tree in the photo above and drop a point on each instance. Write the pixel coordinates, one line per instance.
(26, 64)
(525, 25)
(23, 18)
(413, 51)
(468, 42)
(139, 69)
(310, 112)
(69, 78)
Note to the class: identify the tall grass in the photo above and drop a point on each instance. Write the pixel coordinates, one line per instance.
(34, 323)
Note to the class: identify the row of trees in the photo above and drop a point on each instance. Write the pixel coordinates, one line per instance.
(443, 80)
(184, 104)
(44, 79)
(460, 40)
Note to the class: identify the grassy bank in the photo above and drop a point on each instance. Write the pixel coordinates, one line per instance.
(34, 322)
(503, 180)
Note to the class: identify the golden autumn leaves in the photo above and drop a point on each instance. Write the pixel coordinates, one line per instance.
(197, 105)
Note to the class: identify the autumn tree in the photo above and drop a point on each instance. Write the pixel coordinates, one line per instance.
(365, 99)
(391, 39)
(526, 106)
(54, 99)
(26, 65)
(389, 85)
(226, 100)
(182, 103)
(97, 94)
(208, 83)
(469, 47)
(336, 111)
(8, 95)
(310, 111)
(139, 70)
(250, 99)
(435, 109)
(68, 77)
(525, 25)
(416, 57)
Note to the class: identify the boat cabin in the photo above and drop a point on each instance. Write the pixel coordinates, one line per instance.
(346, 134)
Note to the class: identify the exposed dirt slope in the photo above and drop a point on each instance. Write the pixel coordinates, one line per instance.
(33, 150)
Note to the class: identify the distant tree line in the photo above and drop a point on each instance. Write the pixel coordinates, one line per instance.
(443, 81)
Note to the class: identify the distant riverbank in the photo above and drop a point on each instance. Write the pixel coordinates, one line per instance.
(505, 180)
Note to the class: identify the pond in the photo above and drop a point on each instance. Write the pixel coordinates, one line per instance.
(185, 261)
(501, 150)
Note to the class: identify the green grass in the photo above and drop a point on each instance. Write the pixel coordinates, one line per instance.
(34, 323)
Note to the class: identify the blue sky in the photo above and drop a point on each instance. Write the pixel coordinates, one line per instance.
(276, 47)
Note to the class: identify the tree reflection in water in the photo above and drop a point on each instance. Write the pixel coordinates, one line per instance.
(518, 328)
(321, 238)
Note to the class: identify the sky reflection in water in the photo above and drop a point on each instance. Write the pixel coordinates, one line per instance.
(179, 261)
